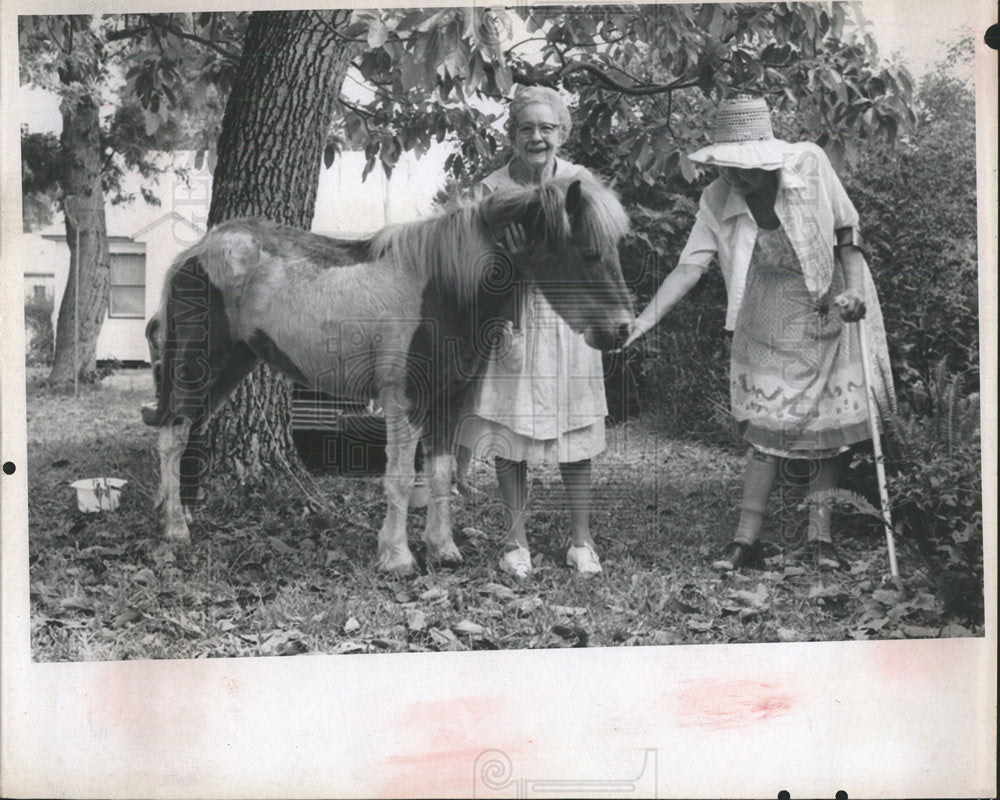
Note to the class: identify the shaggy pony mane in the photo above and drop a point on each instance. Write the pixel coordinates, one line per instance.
(455, 248)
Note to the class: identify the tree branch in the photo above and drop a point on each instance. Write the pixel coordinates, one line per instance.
(365, 113)
(333, 29)
(513, 47)
(605, 80)
(135, 33)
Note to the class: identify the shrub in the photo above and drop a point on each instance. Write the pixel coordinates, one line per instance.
(38, 333)
(917, 203)
(935, 484)
(918, 208)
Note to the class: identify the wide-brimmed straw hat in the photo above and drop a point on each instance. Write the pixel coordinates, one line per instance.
(742, 137)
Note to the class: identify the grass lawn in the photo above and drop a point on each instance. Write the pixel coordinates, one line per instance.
(287, 567)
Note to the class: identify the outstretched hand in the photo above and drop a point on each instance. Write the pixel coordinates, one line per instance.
(634, 333)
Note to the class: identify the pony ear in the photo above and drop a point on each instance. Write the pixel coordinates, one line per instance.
(574, 198)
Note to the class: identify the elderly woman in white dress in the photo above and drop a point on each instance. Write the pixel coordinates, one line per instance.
(785, 235)
(541, 398)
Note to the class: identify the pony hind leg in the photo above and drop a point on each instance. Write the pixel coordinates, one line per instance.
(234, 366)
(196, 363)
(172, 442)
(401, 444)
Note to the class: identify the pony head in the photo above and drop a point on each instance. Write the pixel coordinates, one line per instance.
(573, 228)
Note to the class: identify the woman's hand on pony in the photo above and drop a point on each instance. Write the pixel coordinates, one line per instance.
(515, 240)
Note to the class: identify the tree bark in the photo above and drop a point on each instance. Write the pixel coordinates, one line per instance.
(269, 155)
(84, 198)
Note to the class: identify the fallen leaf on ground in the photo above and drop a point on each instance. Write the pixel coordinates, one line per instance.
(77, 603)
(756, 599)
(825, 592)
(128, 616)
(416, 620)
(568, 611)
(279, 546)
(442, 634)
(526, 605)
(675, 604)
(394, 645)
(887, 597)
(572, 633)
(497, 590)
(952, 631)
(434, 593)
(920, 632)
(468, 628)
(351, 625)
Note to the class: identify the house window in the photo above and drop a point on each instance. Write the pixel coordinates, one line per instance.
(39, 287)
(128, 285)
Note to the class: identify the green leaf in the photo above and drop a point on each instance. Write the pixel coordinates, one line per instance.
(329, 154)
(503, 76)
(378, 33)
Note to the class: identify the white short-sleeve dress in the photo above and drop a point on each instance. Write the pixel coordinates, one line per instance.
(542, 398)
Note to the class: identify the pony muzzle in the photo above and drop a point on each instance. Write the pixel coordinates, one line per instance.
(602, 339)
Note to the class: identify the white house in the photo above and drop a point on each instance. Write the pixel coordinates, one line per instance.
(143, 240)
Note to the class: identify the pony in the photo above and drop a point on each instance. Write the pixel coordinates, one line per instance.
(407, 317)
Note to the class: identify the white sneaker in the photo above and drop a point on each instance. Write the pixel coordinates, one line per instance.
(584, 558)
(516, 562)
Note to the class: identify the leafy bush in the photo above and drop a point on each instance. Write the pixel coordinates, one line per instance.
(917, 203)
(935, 484)
(39, 334)
(918, 208)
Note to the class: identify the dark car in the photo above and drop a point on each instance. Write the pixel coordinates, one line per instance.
(337, 434)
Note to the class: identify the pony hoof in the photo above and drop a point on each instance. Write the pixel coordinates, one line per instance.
(447, 554)
(177, 532)
(149, 414)
(400, 566)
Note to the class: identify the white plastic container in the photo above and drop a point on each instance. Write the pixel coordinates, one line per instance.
(98, 494)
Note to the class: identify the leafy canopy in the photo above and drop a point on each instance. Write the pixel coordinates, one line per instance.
(637, 76)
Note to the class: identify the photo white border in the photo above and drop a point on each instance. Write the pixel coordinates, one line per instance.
(875, 719)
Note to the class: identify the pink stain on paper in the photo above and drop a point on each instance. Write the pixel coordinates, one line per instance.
(443, 744)
(731, 704)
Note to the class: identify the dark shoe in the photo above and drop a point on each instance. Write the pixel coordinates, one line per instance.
(735, 556)
(826, 556)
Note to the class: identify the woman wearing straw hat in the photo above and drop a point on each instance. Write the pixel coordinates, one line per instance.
(541, 398)
(786, 237)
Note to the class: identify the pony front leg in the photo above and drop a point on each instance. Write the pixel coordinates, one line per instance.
(437, 535)
(173, 439)
(401, 445)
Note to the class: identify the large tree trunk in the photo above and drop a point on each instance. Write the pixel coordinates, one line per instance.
(269, 155)
(81, 184)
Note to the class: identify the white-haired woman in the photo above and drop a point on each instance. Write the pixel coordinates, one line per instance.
(786, 237)
(541, 398)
